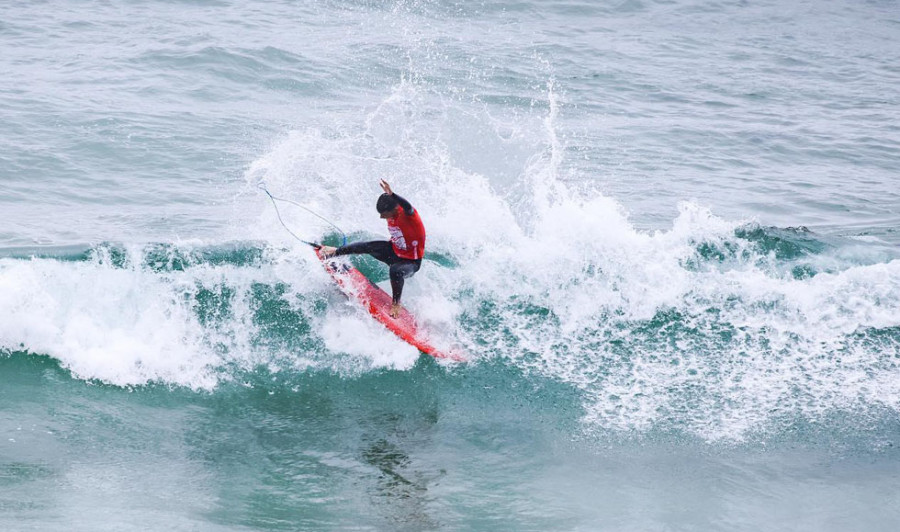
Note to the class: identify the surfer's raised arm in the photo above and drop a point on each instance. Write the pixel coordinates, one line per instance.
(405, 205)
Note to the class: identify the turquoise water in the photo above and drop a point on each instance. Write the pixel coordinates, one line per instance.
(665, 232)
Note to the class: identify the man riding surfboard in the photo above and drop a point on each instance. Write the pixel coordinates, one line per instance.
(402, 253)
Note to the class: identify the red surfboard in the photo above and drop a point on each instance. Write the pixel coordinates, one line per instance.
(356, 286)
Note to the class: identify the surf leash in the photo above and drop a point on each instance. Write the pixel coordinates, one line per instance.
(275, 199)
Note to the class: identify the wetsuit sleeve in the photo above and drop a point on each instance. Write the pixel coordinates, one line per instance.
(405, 205)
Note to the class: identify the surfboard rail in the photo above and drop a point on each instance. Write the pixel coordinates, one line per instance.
(377, 302)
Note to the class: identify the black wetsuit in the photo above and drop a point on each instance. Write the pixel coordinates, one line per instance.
(383, 250)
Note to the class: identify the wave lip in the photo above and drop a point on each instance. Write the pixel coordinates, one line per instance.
(121, 326)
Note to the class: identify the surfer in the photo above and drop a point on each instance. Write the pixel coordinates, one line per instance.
(403, 252)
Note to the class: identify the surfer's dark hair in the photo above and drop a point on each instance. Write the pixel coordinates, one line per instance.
(386, 203)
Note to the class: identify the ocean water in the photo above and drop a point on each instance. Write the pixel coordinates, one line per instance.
(665, 232)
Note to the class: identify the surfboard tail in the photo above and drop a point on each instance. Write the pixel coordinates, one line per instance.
(375, 300)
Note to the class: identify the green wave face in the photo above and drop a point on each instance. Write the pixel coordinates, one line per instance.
(743, 344)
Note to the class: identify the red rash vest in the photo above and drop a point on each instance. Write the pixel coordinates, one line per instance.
(407, 235)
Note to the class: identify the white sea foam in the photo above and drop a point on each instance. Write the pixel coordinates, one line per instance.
(130, 325)
(123, 326)
(554, 280)
(649, 330)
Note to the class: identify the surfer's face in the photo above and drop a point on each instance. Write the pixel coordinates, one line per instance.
(393, 213)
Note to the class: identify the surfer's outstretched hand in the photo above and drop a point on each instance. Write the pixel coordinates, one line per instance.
(327, 251)
(385, 187)
(395, 310)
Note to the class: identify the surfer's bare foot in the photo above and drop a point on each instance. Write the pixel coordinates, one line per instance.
(395, 310)
(327, 251)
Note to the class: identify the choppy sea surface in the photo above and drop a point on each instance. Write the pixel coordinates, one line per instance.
(665, 232)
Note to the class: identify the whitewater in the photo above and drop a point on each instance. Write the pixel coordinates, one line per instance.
(665, 234)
